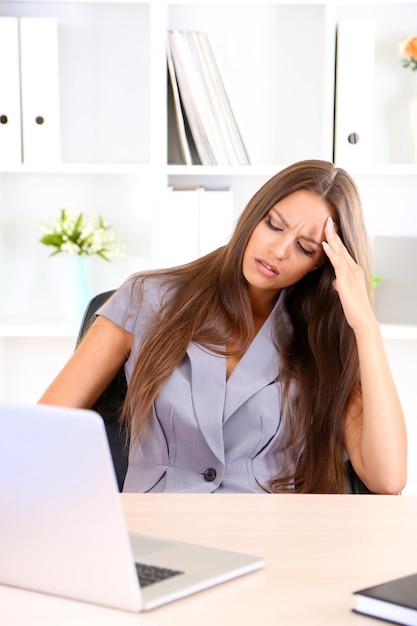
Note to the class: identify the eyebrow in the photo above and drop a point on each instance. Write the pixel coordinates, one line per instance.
(284, 221)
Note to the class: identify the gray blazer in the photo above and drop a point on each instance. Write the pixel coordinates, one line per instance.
(205, 433)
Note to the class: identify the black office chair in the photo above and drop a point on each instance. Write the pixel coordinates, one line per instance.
(356, 485)
(110, 402)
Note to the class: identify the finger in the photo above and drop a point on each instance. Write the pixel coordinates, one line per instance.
(330, 230)
(336, 252)
(329, 252)
(335, 242)
(331, 236)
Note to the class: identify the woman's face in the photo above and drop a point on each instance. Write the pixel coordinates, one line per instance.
(287, 243)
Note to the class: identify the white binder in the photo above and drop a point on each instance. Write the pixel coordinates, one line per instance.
(10, 128)
(40, 90)
(177, 228)
(216, 221)
(190, 223)
(354, 91)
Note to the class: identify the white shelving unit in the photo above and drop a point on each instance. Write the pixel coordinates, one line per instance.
(278, 62)
(278, 66)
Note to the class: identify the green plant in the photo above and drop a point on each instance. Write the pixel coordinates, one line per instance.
(375, 280)
(76, 235)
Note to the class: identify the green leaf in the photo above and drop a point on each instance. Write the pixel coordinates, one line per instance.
(375, 280)
(51, 240)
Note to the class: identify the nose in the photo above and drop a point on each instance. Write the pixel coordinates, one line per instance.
(281, 247)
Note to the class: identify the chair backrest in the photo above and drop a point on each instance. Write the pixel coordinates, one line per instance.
(356, 485)
(110, 402)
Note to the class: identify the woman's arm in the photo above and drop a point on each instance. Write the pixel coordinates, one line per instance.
(375, 434)
(95, 362)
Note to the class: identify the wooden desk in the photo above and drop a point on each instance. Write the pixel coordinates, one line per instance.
(318, 550)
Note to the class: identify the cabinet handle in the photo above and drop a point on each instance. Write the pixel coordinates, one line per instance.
(353, 138)
(39, 120)
(3, 119)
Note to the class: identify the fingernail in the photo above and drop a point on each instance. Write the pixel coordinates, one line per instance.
(332, 223)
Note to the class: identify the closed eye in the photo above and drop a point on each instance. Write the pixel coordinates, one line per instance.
(270, 225)
(304, 250)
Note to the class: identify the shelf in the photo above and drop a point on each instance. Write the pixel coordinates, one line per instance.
(270, 170)
(142, 169)
(145, 2)
(206, 170)
(333, 3)
(79, 168)
(329, 3)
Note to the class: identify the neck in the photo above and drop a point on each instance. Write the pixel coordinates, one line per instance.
(262, 302)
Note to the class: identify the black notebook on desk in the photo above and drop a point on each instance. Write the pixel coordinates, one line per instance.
(394, 601)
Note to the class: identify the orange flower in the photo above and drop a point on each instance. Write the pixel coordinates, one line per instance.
(408, 52)
(410, 47)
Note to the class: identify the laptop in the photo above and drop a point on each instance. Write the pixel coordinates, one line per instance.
(394, 261)
(62, 526)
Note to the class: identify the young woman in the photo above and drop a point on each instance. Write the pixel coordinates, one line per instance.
(259, 367)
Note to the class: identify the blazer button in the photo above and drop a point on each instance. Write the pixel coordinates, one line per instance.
(210, 474)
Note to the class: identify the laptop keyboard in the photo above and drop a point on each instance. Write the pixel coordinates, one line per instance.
(150, 574)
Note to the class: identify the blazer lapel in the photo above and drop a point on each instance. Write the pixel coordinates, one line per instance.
(256, 369)
(208, 385)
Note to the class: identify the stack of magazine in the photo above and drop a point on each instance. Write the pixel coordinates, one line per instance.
(202, 106)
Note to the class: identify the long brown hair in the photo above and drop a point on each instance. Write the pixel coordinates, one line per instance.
(207, 302)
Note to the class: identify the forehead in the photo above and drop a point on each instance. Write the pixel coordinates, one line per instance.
(304, 205)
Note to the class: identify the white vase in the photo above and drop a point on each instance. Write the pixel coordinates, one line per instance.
(80, 290)
(413, 125)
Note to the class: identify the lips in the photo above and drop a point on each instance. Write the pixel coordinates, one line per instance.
(266, 269)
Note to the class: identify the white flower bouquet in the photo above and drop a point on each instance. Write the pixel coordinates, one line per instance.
(74, 234)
